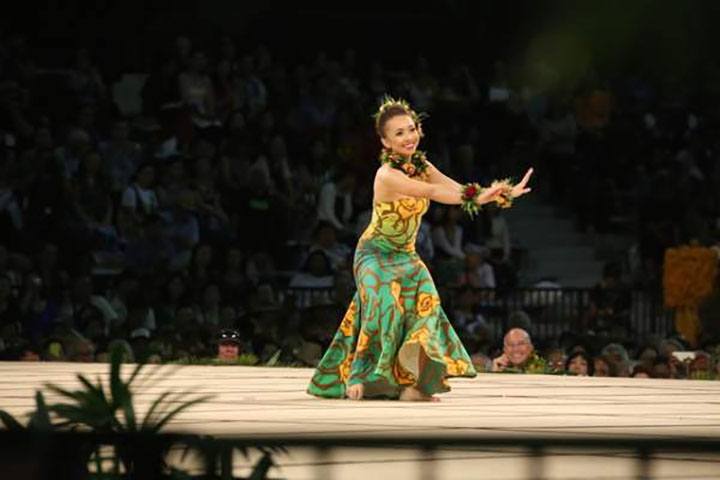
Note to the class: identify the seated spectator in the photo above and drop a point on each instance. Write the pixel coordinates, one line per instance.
(325, 240)
(619, 356)
(139, 199)
(556, 360)
(609, 303)
(604, 367)
(661, 368)
(518, 352)
(448, 235)
(121, 156)
(335, 203)
(579, 364)
(182, 230)
(228, 345)
(639, 371)
(315, 281)
(478, 272)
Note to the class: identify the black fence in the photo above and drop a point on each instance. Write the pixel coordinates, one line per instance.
(138, 456)
(552, 311)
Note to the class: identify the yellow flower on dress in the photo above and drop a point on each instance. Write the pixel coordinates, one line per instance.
(346, 327)
(455, 367)
(426, 303)
(345, 368)
(409, 207)
(363, 342)
(421, 335)
(395, 289)
(402, 376)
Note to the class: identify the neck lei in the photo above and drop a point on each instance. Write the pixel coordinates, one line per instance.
(415, 166)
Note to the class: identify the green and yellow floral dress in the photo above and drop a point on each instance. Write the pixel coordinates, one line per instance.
(394, 333)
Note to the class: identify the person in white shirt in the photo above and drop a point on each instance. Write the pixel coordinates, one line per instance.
(448, 235)
(140, 198)
(335, 204)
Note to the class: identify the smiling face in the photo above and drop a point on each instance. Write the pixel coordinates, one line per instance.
(401, 135)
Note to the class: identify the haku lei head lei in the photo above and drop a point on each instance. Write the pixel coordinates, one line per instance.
(416, 165)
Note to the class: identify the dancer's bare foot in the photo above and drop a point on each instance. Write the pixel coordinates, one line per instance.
(355, 392)
(412, 394)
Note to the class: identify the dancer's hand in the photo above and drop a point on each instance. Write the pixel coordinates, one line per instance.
(489, 195)
(519, 189)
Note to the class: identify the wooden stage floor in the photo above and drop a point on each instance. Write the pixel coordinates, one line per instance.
(262, 401)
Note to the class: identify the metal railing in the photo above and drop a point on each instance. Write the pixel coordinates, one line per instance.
(553, 311)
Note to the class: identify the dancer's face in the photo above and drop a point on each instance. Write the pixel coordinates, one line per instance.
(401, 135)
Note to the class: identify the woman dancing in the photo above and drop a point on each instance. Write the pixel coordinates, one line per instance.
(395, 340)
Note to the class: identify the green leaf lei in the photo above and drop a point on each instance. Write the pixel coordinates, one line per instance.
(415, 166)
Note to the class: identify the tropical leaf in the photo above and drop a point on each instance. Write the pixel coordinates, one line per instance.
(274, 359)
(40, 418)
(10, 422)
(262, 467)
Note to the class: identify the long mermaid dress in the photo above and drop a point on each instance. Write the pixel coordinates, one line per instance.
(394, 333)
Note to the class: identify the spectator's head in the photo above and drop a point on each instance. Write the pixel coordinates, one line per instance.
(78, 140)
(43, 139)
(184, 316)
(661, 368)
(612, 273)
(517, 346)
(647, 356)
(318, 264)
(234, 258)
(701, 365)
(82, 288)
(670, 345)
(202, 255)
(53, 351)
(579, 363)
(481, 362)
(556, 359)
(603, 367)
(228, 316)
(640, 371)
(175, 288)
(80, 350)
(198, 62)
(91, 163)
(619, 356)
(186, 200)
(211, 295)
(120, 131)
(5, 287)
(228, 342)
(325, 234)
(145, 175)
(475, 255)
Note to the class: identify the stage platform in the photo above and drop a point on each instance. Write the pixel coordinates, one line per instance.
(271, 402)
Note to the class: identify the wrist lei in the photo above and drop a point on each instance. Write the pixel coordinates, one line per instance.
(468, 194)
(505, 198)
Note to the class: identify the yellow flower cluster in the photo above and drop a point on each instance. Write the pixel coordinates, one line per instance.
(505, 199)
(688, 275)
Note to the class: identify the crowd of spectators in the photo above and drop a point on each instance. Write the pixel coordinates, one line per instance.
(233, 196)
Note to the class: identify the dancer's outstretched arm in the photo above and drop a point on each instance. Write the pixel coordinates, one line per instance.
(389, 181)
(438, 178)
